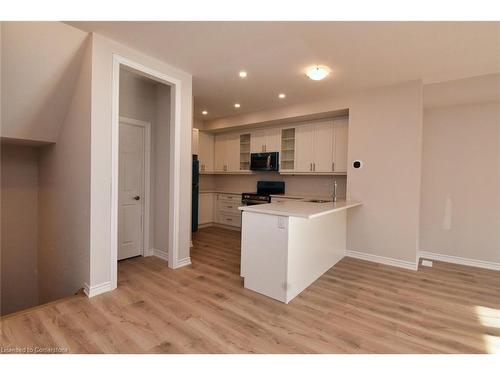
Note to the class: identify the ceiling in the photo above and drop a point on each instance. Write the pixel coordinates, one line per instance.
(361, 55)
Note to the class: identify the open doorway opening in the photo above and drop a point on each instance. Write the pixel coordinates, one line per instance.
(143, 166)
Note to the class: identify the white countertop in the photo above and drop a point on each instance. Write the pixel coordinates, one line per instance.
(220, 191)
(303, 209)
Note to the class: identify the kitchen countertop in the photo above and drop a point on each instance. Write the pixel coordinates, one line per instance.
(300, 208)
(220, 191)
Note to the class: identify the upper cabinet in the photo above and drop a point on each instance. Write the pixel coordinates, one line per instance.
(206, 149)
(340, 130)
(265, 140)
(318, 147)
(315, 148)
(287, 155)
(195, 141)
(227, 149)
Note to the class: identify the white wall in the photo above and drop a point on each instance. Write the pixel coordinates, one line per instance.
(64, 196)
(161, 140)
(460, 205)
(101, 141)
(40, 67)
(19, 228)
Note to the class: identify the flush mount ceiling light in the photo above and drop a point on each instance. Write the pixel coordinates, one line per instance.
(282, 96)
(243, 74)
(204, 113)
(317, 72)
(237, 105)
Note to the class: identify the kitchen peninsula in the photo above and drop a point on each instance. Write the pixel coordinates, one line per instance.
(286, 246)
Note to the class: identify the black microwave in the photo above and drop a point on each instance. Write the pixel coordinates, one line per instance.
(264, 161)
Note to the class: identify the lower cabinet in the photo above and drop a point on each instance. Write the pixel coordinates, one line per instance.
(206, 208)
(227, 212)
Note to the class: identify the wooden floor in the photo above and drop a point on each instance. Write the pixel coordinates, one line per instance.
(356, 307)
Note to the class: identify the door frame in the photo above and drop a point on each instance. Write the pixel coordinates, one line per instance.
(146, 249)
(174, 162)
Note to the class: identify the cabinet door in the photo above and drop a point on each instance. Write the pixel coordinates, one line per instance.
(206, 211)
(258, 141)
(233, 152)
(273, 137)
(304, 148)
(206, 151)
(340, 129)
(220, 153)
(195, 141)
(323, 147)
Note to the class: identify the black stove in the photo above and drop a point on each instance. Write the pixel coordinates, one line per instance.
(264, 191)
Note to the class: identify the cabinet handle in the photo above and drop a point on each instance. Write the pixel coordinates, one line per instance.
(310, 167)
(333, 166)
(314, 167)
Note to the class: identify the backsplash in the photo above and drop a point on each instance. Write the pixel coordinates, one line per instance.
(321, 186)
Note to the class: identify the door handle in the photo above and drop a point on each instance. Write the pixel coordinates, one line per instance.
(137, 197)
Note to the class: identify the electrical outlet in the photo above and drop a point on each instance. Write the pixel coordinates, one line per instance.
(427, 263)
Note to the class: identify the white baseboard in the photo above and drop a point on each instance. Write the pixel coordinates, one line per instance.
(383, 260)
(205, 225)
(459, 260)
(183, 262)
(162, 254)
(92, 291)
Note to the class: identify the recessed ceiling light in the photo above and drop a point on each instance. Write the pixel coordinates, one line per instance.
(243, 74)
(204, 113)
(317, 72)
(237, 105)
(282, 96)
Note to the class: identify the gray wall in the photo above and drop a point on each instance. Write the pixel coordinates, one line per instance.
(19, 228)
(460, 205)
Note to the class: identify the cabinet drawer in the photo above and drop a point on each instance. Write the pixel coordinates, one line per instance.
(230, 198)
(230, 219)
(228, 206)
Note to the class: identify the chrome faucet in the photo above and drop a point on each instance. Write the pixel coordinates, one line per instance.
(334, 197)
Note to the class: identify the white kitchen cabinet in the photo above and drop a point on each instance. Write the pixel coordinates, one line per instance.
(314, 148)
(287, 155)
(220, 145)
(227, 152)
(206, 151)
(194, 141)
(265, 140)
(340, 129)
(323, 147)
(206, 208)
(304, 149)
(227, 212)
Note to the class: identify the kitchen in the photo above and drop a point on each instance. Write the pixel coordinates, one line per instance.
(291, 170)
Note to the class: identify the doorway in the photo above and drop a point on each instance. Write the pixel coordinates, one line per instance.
(165, 175)
(133, 190)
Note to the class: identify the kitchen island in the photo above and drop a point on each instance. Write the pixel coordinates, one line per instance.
(286, 246)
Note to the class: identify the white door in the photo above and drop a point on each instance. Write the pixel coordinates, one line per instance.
(304, 148)
(323, 147)
(131, 191)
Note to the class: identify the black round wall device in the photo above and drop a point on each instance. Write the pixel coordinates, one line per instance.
(357, 164)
